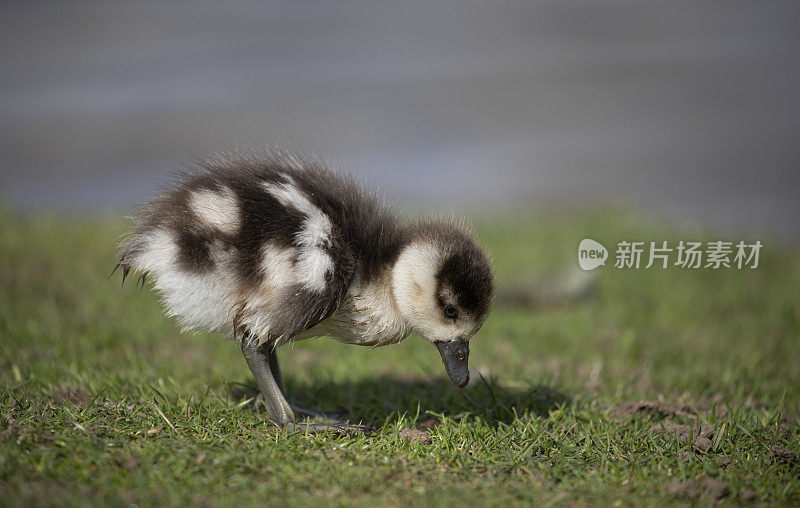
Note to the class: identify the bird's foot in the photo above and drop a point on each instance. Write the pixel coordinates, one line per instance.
(322, 425)
(335, 415)
(313, 414)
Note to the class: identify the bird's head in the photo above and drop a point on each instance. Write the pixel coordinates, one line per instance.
(443, 286)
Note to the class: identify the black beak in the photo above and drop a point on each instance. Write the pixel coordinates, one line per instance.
(455, 354)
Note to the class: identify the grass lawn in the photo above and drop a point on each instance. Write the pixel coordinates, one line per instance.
(665, 386)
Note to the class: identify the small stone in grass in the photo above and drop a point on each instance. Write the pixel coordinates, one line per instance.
(702, 443)
(415, 435)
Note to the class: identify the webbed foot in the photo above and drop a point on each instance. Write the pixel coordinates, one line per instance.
(321, 426)
(335, 415)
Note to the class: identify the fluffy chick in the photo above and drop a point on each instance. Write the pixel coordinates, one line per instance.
(276, 247)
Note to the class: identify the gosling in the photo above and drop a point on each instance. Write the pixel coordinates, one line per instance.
(276, 247)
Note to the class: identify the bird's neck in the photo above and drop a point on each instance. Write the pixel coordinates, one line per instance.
(413, 280)
(369, 315)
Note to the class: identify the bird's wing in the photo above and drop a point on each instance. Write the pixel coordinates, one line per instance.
(317, 289)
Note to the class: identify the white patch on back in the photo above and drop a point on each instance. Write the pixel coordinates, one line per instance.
(313, 263)
(277, 266)
(219, 210)
(203, 301)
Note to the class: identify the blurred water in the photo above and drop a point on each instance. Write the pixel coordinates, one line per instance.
(686, 110)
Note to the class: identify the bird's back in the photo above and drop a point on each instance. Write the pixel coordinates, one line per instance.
(266, 244)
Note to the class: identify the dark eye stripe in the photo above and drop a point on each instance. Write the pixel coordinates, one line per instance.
(450, 311)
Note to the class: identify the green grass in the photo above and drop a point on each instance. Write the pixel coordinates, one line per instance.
(87, 368)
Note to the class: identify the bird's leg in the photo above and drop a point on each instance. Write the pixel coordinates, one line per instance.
(259, 359)
(263, 363)
(332, 416)
(276, 371)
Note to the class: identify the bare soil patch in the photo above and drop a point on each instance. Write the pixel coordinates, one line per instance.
(420, 436)
(73, 394)
(692, 489)
(662, 410)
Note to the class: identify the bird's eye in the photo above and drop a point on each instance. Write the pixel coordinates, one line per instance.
(450, 311)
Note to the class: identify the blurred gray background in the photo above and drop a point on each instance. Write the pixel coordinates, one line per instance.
(684, 110)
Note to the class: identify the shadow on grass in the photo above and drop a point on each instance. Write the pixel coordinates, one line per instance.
(378, 400)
